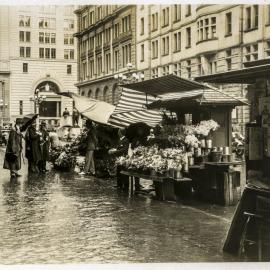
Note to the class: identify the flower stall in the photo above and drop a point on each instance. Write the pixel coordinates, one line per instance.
(200, 134)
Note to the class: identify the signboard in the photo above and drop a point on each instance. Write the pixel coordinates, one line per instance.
(255, 145)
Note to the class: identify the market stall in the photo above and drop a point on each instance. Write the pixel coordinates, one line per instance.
(196, 143)
(249, 231)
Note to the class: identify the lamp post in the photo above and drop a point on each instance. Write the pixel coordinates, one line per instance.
(129, 77)
(37, 99)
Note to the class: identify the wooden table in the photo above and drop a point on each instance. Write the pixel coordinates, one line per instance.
(166, 188)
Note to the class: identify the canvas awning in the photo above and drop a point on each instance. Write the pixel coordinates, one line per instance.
(191, 99)
(165, 84)
(131, 108)
(243, 76)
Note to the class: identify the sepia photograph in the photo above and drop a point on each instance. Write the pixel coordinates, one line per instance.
(134, 133)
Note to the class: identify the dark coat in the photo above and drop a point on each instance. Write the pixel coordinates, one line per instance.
(14, 146)
(45, 145)
(33, 147)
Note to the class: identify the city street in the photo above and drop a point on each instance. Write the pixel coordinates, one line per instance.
(65, 218)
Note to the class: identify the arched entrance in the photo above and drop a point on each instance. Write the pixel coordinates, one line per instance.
(50, 108)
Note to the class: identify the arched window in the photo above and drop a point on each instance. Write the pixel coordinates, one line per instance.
(114, 94)
(90, 93)
(98, 93)
(106, 94)
(82, 94)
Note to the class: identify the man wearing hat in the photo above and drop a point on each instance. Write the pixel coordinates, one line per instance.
(13, 153)
(44, 146)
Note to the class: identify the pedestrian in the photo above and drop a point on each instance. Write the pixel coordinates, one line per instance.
(65, 113)
(44, 146)
(13, 153)
(33, 148)
(75, 116)
(91, 143)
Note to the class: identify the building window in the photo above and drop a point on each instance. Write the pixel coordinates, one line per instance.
(25, 67)
(25, 36)
(84, 70)
(199, 65)
(53, 38)
(41, 52)
(68, 25)
(126, 24)
(126, 54)
(47, 52)
(107, 35)
(154, 73)
(53, 53)
(188, 10)
(142, 26)
(68, 54)
(24, 21)
(252, 17)
(107, 63)
(188, 68)
(165, 45)
(165, 17)
(98, 94)
(105, 94)
(69, 69)
(177, 13)
(142, 52)
(99, 65)
(177, 69)
(47, 23)
(229, 59)
(41, 37)
(248, 18)
(206, 29)
(165, 70)
(25, 51)
(228, 30)
(99, 39)
(267, 49)
(21, 107)
(251, 52)
(89, 93)
(154, 49)
(116, 60)
(188, 37)
(154, 22)
(256, 16)
(21, 36)
(99, 13)
(177, 41)
(116, 30)
(92, 17)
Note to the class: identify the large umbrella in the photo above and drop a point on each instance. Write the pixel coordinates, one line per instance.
(93, 109)
(28, 119)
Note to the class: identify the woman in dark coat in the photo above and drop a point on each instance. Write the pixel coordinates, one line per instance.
(12, 160)
(33, 148)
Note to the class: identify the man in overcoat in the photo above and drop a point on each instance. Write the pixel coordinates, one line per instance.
(13, 153)
(44, 145)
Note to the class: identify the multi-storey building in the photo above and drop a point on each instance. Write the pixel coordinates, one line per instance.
(106, 46)
(186, 40)
(37, 51)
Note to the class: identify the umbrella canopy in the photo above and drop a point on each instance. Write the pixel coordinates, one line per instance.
(95, 110)
(28, 120)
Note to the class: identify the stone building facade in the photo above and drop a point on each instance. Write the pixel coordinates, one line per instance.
(106, 45)
(186, 40)
(37, 51)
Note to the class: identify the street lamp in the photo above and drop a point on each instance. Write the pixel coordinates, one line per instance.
(129, 77)
(37, 101)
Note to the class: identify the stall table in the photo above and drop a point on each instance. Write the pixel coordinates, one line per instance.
(166, 188)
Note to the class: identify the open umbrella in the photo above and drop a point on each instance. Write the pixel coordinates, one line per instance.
(28, 119)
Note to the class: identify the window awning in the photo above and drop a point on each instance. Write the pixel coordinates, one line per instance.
(243, 76)
(165, 84)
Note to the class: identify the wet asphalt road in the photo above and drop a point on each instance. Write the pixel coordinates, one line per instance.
(65, 218)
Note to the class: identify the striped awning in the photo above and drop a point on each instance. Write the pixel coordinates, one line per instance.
(166, 84)
(131, 108)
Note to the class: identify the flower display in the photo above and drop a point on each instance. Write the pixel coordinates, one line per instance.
(192, 141)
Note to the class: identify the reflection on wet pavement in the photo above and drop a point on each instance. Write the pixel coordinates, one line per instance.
(63, 218)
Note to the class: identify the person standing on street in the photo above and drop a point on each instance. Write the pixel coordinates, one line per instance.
(91, 143)
(13, 153)
(33, 148)
(44, 145)
(75, 116)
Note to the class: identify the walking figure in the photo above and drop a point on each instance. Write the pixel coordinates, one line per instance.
(13, 153)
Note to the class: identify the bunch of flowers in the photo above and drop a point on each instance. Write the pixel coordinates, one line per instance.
(65, 161)
(205, 127)
(192, 141)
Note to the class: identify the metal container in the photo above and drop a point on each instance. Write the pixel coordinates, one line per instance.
(198, 152)
(220, 149)
(226, 150)
(203, 144)
(209, 143)
(178, 174)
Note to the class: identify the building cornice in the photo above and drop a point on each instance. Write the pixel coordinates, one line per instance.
(79, 84)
